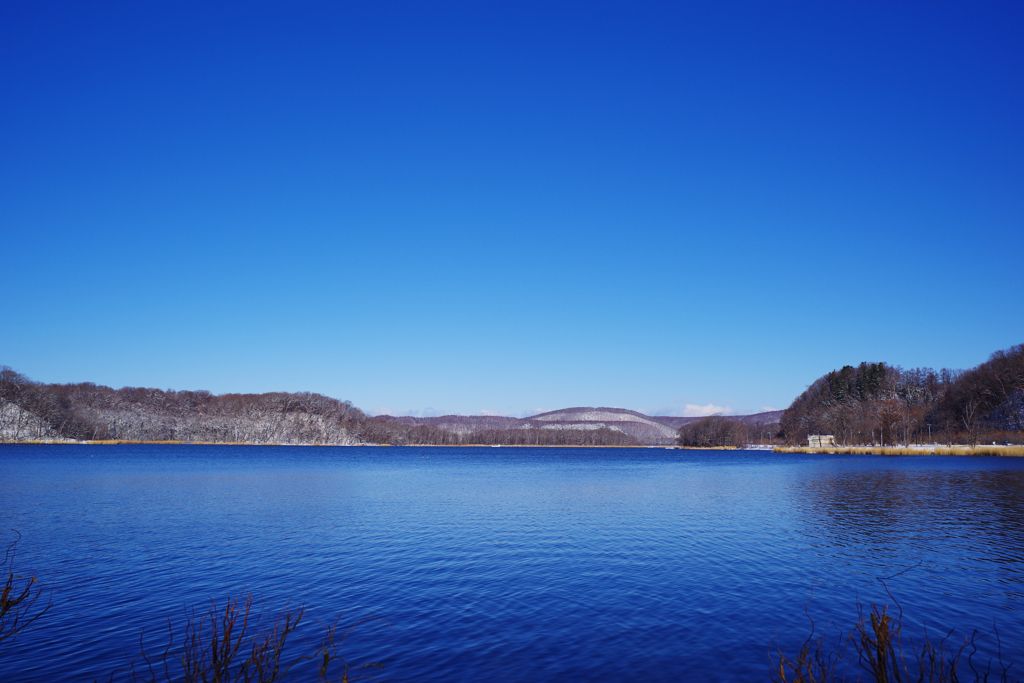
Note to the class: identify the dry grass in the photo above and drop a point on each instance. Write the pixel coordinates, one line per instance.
(882, 656)
(530, 445)
(237, 643)
(19, 599)
(119, 442)
(231, 644)
(1016, 451)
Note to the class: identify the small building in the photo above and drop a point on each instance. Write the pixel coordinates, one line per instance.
(818, 440)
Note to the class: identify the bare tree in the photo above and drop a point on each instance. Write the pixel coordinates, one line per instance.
(19, 601)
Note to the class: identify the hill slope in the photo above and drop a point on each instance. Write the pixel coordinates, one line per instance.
(647, 430)
(33, 410)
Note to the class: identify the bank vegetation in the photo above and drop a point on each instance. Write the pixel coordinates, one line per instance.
(37, 412)
(875, 404)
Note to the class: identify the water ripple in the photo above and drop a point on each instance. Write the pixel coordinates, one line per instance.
(520, 565)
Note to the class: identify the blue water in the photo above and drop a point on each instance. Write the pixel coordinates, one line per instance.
(509, 564)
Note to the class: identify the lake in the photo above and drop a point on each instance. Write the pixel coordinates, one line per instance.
(510, 564)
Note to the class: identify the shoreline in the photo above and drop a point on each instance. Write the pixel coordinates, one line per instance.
(956, 450)
(1002, 451)
(128, 442)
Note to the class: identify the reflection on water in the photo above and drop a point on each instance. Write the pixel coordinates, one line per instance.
(512, 564)
(963, 526)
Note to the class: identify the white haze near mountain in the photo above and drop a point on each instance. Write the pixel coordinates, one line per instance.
(692, 410)
(695, 410)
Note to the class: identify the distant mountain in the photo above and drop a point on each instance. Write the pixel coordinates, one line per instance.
(643, 428)
(462, 424)
(768, 417)
(649, 430)
(36, 411)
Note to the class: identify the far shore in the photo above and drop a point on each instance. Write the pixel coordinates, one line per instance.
(126, 442)
(917, 449)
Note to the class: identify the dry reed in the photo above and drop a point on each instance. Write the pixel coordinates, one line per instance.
(237, 644)
(878, 645)
(1016, 451)
(18, 600)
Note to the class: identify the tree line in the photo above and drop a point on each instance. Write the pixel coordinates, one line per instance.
(717, 431)
(86, 411)
(523, 436)
(32, 410)
(876, 403)
(872, 403)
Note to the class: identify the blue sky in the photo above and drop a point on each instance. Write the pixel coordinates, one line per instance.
(508, 207)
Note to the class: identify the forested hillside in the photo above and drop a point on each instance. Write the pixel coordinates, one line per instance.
(32, 410)
(729, 431)
(872, 403)
(642, 429)
(593, 426)
(879, 403)
(36, 411)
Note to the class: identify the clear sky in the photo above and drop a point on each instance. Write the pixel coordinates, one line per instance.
(508, 207)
